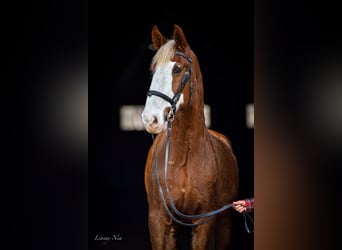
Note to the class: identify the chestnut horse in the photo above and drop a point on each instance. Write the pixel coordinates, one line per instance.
(191, 173)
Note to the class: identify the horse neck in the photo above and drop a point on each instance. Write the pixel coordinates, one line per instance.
(189, 123)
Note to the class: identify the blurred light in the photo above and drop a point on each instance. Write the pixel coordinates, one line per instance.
(62, 110)
(130, 117)
(324, 106)
(250, 115)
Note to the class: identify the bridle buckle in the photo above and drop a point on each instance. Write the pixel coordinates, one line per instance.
(170, 116)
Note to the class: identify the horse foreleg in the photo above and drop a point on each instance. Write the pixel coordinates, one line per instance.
(223, 231)
(203, 237)
(162, 232)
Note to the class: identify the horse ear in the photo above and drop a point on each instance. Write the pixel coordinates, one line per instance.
(157, 38)
(179, 37)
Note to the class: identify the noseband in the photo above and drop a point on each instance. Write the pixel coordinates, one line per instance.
(173, 101)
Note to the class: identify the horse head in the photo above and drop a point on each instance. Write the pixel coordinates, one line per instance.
(171, 76)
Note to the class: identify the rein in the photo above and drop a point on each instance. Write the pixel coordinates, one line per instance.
(199, 216)
(210, 214)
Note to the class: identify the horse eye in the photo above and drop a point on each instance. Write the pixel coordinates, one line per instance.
(177, 69)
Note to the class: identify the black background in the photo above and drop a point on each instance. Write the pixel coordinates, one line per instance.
(46, 182)
(119, 75)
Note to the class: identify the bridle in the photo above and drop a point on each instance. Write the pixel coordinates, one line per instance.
(173, 101)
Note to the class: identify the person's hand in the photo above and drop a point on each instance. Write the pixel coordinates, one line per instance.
(239, 206)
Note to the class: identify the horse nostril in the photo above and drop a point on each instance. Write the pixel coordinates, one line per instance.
(150, 121)
(154, 120)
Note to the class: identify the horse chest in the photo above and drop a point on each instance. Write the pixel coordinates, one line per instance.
(184, 192)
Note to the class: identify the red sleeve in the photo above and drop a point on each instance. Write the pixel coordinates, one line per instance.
(249, 204)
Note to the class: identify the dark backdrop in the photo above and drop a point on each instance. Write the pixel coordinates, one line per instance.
(119, 61)
(57, 65)
(297, 160)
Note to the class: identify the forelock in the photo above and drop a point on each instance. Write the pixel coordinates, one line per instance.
(164, 54)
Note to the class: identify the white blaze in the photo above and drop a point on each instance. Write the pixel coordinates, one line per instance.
(153, 115)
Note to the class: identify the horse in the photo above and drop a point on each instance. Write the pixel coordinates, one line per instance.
(191, 173)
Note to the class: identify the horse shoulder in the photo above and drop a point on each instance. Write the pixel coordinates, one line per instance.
(148, 166)
(150, 158)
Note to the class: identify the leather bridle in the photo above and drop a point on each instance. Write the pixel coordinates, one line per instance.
(173, 101)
